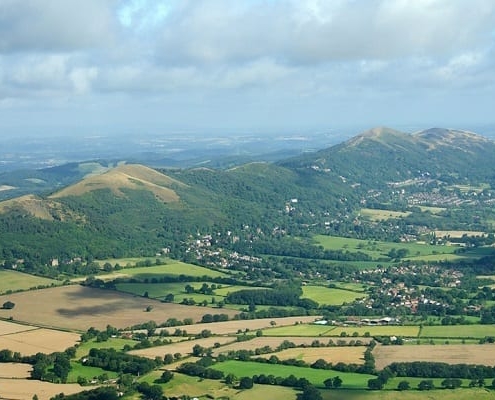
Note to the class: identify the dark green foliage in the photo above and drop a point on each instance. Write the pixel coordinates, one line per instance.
(111, 360)
(102, 393)
(403, 385)
(245, 383)
(8, 305)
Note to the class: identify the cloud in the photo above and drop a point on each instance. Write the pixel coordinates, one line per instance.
(55, 25)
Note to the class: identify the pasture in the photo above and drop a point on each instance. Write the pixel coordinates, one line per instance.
(12, 281)
(112, 343)
(382, 215)
(457, 331)
(170, 267)
(449, 353)
(457, 394)
(379, 250)
(329, 296)
(315, 376)
(32, 341)
(79, 307)
(384, 330)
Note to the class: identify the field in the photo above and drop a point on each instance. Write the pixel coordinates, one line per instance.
(184, 347)
(379, 250)
(7, 328)
(380, 215)
(315, 376)
(26, 389)
(390, 330)
(171, 267)
(231, 327)
(458, 234)
(451, 353)
(32, 341)
(273, 342)
(78, 308)
(458, 394)
(329, 296)
(11, 281)
(112, 343)
(15, 370)
(348, 355)
(458, 331)
(299, 330)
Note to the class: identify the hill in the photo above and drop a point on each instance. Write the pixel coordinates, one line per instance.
(131, 177)
(383, 155)
(129, 209)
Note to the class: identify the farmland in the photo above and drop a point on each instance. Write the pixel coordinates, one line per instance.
(329, 296)
(452, 354)
(315, 376)
(12, 281)
(26, 389)
(77, 308)
(462, 331)
(334, 355)
(32, 341)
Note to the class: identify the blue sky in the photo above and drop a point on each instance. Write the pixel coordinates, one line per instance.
(73, 67)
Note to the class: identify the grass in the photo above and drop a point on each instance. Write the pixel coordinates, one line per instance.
(379, 250)
(380, 215)
(315, 376)
(112, 343)
(11, 281)
(391, 330)
(330, 296)
(458, 331)
(78, 369)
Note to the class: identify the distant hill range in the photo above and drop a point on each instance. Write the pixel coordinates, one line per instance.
(383, 155)
(108, 209)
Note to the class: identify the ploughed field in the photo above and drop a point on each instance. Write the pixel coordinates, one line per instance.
(78, 308)
(482, 354)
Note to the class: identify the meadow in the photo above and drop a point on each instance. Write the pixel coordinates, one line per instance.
(12, 281)
(379, 250)
(383, 330)
(457, 331)
(330, 296)
(315, 376)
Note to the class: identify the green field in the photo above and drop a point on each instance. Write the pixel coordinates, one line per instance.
(329, 296)
(315, 376)
(441, 394)
(391, 330)
(172, 267)
(11, 281)
(379, 249)
(112, 343)
(77, 369)
(380, 215)
(458, 331)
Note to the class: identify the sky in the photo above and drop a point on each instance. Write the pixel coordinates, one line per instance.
(129, 67)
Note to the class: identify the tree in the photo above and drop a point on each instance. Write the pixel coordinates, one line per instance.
(8, 305)
(375, 384)
(337, 382)
(166, 376)
(403, 385)
(426, 385)
(246, 382)
(310, 393)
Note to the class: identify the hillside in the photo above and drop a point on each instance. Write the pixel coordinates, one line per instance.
(133, 209)
(131, 177)
(383, 155)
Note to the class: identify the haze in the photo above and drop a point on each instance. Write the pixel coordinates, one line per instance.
(109, 67)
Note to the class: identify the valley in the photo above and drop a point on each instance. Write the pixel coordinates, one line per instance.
(370, 261)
